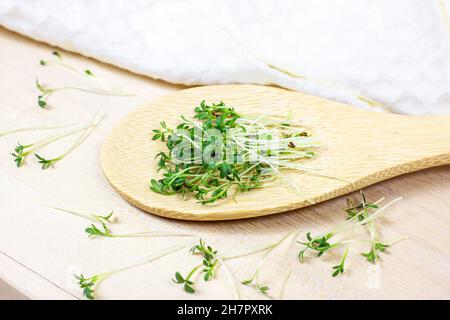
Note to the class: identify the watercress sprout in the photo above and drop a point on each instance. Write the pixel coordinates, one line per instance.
(208, 267)
(103, 219)
(254, 281)
(47, 92)
(235, 153)
(99, 227)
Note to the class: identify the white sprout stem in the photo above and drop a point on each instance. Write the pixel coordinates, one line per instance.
(231, 279)
(86, 133)
(389, 243)
(94, 91)
(61, 63)
(394, 242)
(378, 212)
(44, 142)
(88, 217)
(3, 134)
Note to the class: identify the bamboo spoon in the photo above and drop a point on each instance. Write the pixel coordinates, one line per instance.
(358, 148)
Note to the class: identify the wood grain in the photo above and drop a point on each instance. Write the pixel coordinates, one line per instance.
(357, 147)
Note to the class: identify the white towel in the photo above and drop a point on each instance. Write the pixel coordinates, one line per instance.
(396, 53)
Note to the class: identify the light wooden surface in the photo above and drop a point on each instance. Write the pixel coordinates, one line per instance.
(41, 249)
(358, 147)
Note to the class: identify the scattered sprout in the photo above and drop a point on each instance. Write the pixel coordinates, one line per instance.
(21, 152)
(47, 92)
(58, 60)
(90, 284)
(208, 267)
(254, 281)
(361, 215)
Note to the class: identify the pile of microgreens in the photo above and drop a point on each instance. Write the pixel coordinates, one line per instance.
(257, 149)
(89, 284)
(359, 215)
(22, 151)
(46, 92)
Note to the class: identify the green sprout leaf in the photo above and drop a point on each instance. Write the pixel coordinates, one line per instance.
(208, 267)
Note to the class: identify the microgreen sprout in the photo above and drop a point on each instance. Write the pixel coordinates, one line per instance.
(236, 153)
(212, 261)
(186, 282)
(103, 219)
(89, 284)
(340, 268)
(360, 215)
(103, 230)
(254, 281)
(47, 92)
(59, 60)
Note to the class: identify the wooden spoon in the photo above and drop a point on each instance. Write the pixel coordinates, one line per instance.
(357, 146)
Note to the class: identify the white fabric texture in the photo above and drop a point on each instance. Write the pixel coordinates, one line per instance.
(396, 53)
